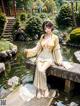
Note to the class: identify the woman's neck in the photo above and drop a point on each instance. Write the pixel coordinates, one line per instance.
(48, 34)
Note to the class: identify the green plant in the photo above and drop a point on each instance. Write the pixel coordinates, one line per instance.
(78, 19)
(4, 45)
(34, 26)
(50, 6)
(22, 16)
(2, 22)
(75, 36)
(64, 17)
(16, 25)
(28, 4)
(43, 15)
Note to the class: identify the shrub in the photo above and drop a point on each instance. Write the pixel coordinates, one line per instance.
(18, 31)
(16, 25)
(44, 9)
(29, 15)
(75, 36)
(4, 45)
(64, 17)
(43, 15)
(22, 17)
(34, 26)
(78, 19)
(50, 6)
(2, 22)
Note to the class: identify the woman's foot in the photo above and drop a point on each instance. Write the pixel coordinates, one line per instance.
(42, 93)
(38, 94)
(46, 93)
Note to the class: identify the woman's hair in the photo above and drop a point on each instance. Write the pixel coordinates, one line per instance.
(48, 24)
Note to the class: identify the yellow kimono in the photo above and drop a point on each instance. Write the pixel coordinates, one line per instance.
(47, 52)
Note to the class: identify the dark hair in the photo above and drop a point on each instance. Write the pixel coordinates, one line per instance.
(48, 24)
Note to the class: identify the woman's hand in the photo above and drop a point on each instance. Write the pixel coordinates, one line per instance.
(25, 52)
(59, 64)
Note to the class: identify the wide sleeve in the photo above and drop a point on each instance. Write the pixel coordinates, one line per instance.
(33, 51)
(57, 52)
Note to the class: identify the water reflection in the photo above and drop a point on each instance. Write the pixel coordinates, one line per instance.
(68, 53)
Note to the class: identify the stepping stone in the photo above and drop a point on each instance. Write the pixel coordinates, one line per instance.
(14, 99)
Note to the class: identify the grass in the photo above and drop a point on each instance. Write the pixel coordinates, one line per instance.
(4, 45)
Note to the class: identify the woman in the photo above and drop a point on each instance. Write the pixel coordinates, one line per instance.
(48, 53)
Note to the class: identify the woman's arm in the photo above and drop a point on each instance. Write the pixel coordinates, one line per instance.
(57, 52)
(32, 52)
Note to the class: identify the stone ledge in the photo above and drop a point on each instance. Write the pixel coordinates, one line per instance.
(72, 74)
(77, 55)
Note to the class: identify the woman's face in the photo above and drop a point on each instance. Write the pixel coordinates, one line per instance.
(48, 30)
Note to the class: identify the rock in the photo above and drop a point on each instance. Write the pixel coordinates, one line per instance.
(3, 54)
(59, 103)
(3, 92)
(19, 35)
(64, 43)
(14, 48)
(26, 79)
(73, 104)
(13, 53)
(77, 55)
(2, 67)
(27, 92)
(13, 81)
(8, 54)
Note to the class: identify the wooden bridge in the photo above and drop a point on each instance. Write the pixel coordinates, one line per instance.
(70, 75)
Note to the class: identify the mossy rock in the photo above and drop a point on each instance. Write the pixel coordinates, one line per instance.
(7, 50)
(75, 36)
(4, 45)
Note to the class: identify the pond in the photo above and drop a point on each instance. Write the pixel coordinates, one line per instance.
(16, 67)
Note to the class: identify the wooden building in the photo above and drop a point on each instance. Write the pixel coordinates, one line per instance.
(4, 7)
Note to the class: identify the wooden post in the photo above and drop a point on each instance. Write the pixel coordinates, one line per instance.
(73, 14)
(76, 6)
(69, 85)
(3, 6)
(14, 7)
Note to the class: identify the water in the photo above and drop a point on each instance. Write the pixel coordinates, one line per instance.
(16, 67)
